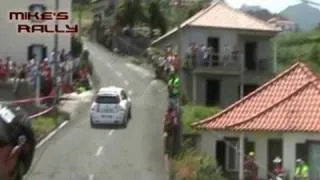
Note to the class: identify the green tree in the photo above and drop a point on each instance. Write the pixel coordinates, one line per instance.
(314, 56)
(80, 6)
(130, 13)
(195, 8)
(155, 17)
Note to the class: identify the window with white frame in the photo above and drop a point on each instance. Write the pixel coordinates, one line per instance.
(232, 154)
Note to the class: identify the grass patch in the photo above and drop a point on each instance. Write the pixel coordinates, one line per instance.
(193, 113)
(43, 125)
(303, 45)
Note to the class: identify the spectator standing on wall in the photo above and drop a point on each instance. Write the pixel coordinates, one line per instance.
(302, 170)
(51, 62)
(7, 63)
(3, 71)
(33, 69)
(62, 56)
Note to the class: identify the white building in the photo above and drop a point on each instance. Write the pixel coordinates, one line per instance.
(222, 27)
(20, 47)
(285, 24)
(281, 118)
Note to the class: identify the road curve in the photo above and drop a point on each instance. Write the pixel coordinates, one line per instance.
(79, 152)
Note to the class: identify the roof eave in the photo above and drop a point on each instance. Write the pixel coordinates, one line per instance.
(167, 35)
(240, 29)
(199, 26)
(257, 130)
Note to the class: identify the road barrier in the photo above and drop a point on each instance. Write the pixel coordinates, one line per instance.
(43, 112)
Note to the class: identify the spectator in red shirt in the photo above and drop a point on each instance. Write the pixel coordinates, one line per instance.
(250, 168)
(278, 169)
(83, 73)
(170, 123)
(176, 62)
(3, 73)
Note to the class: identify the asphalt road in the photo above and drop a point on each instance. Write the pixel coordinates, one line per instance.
(79, 152)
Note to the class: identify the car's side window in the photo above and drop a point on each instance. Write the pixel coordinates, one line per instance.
(123, 95)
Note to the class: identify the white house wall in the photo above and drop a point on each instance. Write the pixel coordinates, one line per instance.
(209, 138)
(16, 45)
(227, 37)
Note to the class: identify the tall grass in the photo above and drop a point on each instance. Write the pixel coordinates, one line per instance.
(299, 45)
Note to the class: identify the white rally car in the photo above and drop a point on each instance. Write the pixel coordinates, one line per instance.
(111, 106)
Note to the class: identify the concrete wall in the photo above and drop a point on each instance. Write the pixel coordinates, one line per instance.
(16, 45)
(208, 145)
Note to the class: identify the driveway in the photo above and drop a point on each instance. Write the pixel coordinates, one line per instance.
(79, 152)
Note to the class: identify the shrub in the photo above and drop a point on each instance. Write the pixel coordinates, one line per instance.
(76, 46)
(192, 113)
(302, 45)
(194, 165)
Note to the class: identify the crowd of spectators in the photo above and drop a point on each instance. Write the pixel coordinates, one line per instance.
(64, 72)
(165, 63)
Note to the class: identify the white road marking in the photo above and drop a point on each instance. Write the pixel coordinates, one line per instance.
(130, 92)
(110, 133)
(99, 150)
(91, 177)
(51, 134)
(119, 74)
(126, 82)
(140, 70)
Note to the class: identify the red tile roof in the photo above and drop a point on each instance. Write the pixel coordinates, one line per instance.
(289, 102)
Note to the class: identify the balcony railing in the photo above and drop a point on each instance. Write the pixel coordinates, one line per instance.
(222, 62)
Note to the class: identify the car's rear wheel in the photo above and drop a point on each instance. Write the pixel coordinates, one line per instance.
(92, 124)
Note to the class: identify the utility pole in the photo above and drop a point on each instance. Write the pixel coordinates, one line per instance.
(241, 152)
(179, 31)
(242, 136)
(37, 63)
(241, 75)
(55, 58)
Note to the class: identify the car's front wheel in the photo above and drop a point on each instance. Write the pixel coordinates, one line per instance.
(124, 122)
(129, 114)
